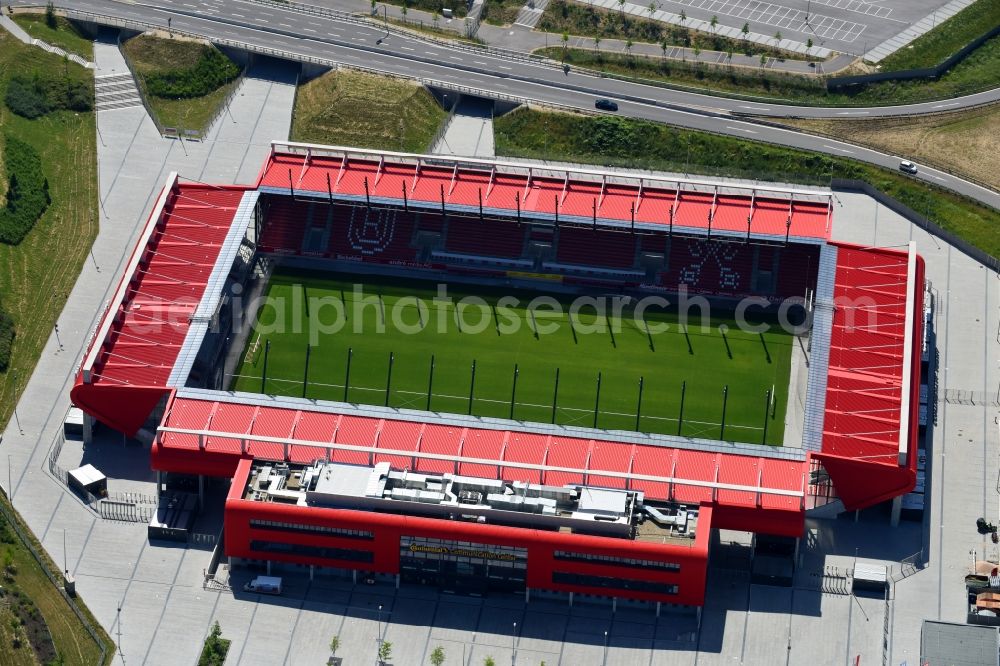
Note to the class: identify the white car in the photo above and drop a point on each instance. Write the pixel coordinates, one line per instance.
(907, 166)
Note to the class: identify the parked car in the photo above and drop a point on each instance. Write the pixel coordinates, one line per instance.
(605, 104)
(264, 585)
(907, 166)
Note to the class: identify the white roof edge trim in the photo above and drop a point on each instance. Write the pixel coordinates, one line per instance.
(904, 403)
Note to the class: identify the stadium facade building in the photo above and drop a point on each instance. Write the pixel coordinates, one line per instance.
(483, 504)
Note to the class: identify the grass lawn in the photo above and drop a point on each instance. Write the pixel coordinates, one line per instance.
(151, 55)
(353, 109)
(193, 113)
(501, 12)
(71, 639)
(65, 35)
(943, 140)
(34, 287)
(616, 141)
(945, 39)
(735, 81)
(980, 71)
(567, 16)
(579, 345)
(436, 30)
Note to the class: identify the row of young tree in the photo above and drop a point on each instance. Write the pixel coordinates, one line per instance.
(436, 658)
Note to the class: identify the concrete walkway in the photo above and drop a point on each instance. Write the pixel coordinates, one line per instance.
(113, 561)
(470, 130)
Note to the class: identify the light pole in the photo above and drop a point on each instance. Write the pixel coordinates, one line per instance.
(16, 419)
(605, 662)
(513, 646)
(378, 637)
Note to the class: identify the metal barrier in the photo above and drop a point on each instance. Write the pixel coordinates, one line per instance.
(43, 563)
(916, 218)
(840, 82)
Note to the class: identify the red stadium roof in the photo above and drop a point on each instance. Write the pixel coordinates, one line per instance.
(204, 435)
(872, 399)
(535, 191)
(142, 331)
(870, 414)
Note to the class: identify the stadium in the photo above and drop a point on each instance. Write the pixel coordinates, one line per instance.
(510, 378)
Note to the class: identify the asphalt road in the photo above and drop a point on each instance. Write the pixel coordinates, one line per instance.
(360, 45)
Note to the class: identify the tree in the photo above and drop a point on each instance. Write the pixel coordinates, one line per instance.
(437, 656)
(437, 18)
(746, 30)
(663, 48)
(763, 60)
(597, 43)
(404, 11)
(628, 47)
(621, 9)
(684, 16)
(652, 9)
(809, 43)
(777, 38)
(384, 652)
(565, 41)
(697, 51)
(50, 15)
(729, 57)
(489, 662)
(373, 8)
(714, 22)
(334, 644)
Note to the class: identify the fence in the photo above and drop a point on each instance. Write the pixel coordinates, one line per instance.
(193, 134)
(43, 563)
(916, 218)
(841, 82)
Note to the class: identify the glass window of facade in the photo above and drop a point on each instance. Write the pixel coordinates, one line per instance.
(462, 565)
(613, 583)
(280, 548)
(617, 561)
(310, 529)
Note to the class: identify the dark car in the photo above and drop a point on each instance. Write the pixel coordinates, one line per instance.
(606, 105)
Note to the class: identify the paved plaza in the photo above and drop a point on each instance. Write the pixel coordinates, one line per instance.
(166, 611)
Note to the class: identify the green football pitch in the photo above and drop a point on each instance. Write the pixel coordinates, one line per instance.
(525, 361)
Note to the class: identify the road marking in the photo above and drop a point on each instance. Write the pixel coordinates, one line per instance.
(938, 178)
(503, 67)
(406, 48)
(941, 106)
(756, 108)
(240, 15)
(284, 25)
(740, 129)
(852, 113)
(843, 150)
(308, 30)
(479, 62)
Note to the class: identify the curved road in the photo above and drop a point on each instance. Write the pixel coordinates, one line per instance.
(364, 45)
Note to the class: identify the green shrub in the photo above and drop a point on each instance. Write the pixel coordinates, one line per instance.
(27, 191)
(212, 70)
(43, 93)
(216, 648)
